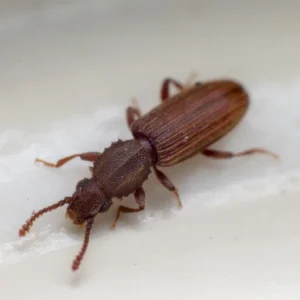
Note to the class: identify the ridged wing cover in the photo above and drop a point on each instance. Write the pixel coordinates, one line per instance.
(122, 168)
(192, 120)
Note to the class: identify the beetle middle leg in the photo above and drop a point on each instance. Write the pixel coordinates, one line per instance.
(139, 195)
(133, 113)
(226, 154)
(87, 156)
(165, 87)
(165, 181)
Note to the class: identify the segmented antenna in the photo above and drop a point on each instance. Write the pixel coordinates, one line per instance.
(26, 227)
(80, 255)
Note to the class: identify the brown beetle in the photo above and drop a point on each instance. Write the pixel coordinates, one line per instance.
(177, 129)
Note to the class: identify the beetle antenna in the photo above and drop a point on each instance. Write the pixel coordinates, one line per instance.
(80, 255)
(26, 227)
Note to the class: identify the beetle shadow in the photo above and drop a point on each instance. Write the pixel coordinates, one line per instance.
(199, 169)
(161, 203)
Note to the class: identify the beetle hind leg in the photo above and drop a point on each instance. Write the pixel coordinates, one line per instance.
(226, 154)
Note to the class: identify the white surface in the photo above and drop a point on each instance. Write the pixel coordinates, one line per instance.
(67, 74)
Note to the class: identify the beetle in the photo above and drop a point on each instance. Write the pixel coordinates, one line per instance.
(180, 127)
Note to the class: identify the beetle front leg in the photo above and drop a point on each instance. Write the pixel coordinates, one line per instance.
(225, 154)
(139, 195)
(165, 181)
(87, 156)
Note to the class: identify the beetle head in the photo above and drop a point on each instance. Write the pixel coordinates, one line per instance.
(86, 201)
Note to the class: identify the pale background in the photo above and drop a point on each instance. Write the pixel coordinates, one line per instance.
(68, 69)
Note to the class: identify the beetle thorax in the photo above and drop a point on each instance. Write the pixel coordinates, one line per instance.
(122, 168)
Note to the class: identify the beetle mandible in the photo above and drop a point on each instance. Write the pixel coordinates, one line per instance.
(180, 127)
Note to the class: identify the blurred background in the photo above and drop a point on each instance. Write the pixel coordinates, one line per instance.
(69, 69)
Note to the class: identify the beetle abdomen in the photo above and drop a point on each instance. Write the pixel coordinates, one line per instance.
(122, 168)
(192, 120)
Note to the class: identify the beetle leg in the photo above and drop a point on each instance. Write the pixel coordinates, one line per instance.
(133, 113)
(225, 154)
(139, 195)
(164, 180)
(165, 87)
(88, 156)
